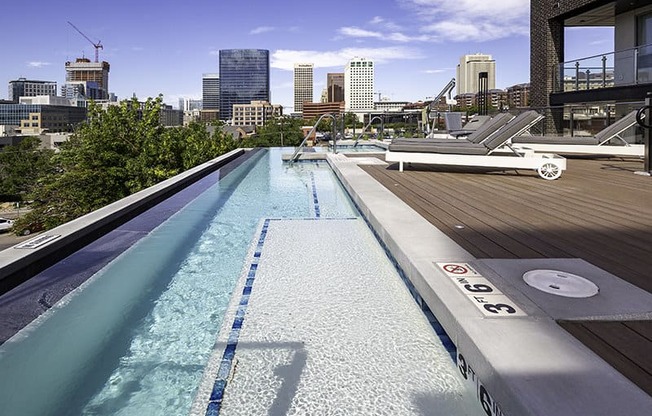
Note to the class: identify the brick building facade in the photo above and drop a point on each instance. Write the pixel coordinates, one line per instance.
(548, 20)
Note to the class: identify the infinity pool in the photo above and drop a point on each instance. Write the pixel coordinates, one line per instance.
(136, 337)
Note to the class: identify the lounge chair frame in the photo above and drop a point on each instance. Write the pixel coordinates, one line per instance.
(601, 147)
(548, 166)
(500, 155)
(635, 150)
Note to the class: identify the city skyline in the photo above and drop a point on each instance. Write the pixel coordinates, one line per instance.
(162, 48)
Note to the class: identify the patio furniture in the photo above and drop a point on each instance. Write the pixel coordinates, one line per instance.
(607, 142)
(492, 152)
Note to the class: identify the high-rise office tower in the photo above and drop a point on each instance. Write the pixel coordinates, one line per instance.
(29, 88)
(83, 70)
(469, 69)
(303, 85)
(359, 85)
(210, 87)
(244, 77)
(335, 86)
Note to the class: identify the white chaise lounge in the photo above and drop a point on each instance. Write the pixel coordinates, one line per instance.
(481, 133)
(607, 142)
(492, 152)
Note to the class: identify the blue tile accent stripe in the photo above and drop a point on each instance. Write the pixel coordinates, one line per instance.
(315, 200)
(215, 401)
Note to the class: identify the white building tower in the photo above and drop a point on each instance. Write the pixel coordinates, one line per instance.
(359, 85)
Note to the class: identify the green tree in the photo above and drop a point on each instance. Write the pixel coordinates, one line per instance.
(199, 147)
(21, 168)
(116, 152)
(351, 121)
(269, 135)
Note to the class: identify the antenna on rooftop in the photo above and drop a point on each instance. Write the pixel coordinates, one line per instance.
(97, 45)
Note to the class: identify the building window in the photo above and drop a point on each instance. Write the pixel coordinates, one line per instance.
(644, 41)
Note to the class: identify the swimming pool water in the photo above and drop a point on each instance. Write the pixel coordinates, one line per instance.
(136, 337)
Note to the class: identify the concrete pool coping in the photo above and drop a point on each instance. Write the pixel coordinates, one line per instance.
(520, 365)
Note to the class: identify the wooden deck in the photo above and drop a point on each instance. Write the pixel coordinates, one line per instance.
(599, 211)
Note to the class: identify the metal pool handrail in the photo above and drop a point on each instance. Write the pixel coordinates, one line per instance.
(295, 155)
(355, 144)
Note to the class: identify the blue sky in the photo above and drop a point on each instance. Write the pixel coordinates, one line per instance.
(165, 47)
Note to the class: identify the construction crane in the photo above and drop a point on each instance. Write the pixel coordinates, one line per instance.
(97, 45)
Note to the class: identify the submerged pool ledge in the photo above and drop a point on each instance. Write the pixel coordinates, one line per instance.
(520, 364)
(19, 265)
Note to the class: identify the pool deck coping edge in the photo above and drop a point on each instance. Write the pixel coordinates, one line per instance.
(529, 365)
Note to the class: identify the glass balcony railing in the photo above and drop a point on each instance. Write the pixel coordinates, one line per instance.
(626, 67)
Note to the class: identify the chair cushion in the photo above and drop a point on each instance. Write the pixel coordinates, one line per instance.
(555, 140)
(466, 149)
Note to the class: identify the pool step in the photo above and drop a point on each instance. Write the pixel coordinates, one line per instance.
(300, 340)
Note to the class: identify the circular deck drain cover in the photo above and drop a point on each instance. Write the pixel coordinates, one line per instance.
(561, 283)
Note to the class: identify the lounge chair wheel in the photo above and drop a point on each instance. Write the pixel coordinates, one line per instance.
(549, 171)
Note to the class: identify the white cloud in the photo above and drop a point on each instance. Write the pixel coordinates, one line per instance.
(384, 23)
(285, 59)
(37, 64)
(262, 29)
(436, 71)
(356, 32)
(463, 30)
(472, 20)
(451, 20)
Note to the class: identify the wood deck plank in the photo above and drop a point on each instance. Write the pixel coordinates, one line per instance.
(632, 362)
(644, 329)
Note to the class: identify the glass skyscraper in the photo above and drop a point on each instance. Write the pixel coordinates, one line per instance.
(244, 77)
(211, 91)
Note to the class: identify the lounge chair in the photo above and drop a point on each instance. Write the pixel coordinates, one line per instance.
(490, 152)
(470, 127)
(455, 127)
(481, 133)
(600, 144)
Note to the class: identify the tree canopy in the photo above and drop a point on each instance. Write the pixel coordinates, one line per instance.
(270, 134)
(116, 152)
(21, 168)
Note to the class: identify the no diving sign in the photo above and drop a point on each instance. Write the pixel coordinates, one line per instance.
(480, 291)
(458, 270)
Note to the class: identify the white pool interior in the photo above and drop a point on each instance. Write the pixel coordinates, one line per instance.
(330, 320)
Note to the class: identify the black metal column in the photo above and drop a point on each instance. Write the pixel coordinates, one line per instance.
(483, 93)
(644, 120)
